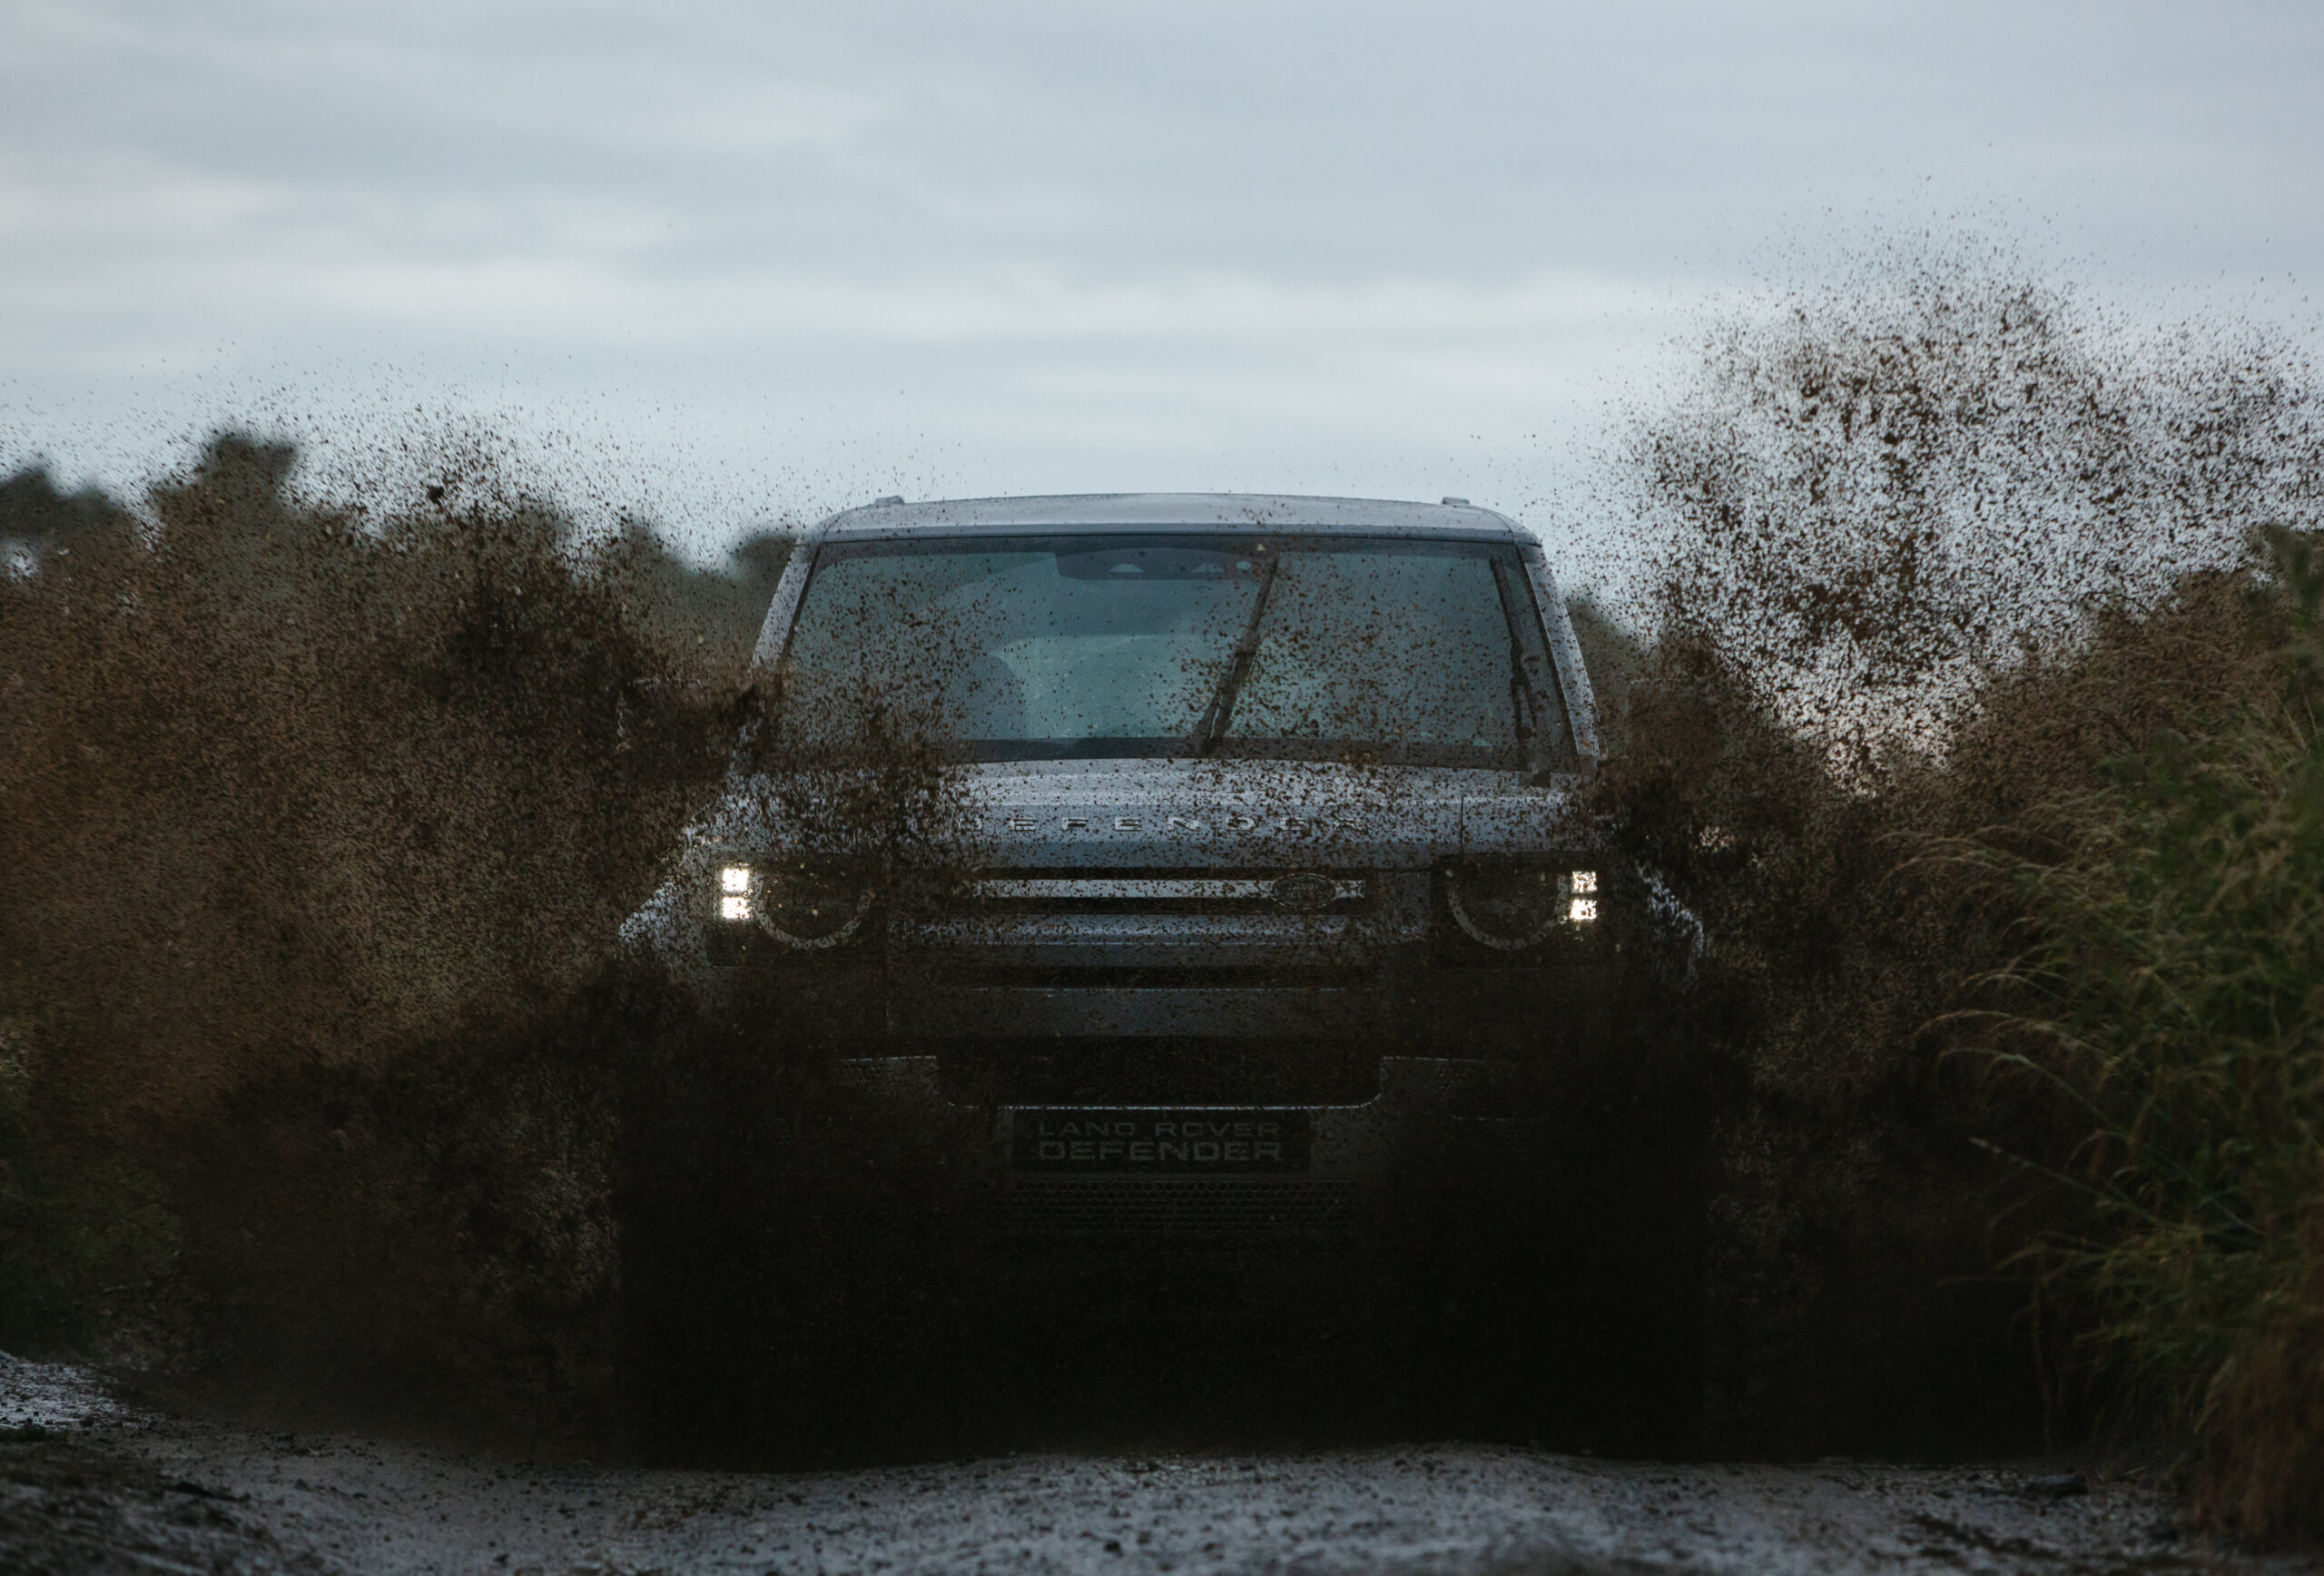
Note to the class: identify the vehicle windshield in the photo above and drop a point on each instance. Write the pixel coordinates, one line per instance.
(1408, 651)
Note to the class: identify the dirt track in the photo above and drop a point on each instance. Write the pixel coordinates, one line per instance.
(87, 1484)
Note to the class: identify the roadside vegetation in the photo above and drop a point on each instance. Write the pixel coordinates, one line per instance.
(1972, 707)
(2173, 996)
(313, 826)
(1979, 729)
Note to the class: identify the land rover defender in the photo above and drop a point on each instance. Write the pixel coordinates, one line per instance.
(1262, 866)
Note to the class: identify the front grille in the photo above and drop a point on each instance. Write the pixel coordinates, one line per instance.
(1167, 891)
(1284, 976)
(1242, 1207)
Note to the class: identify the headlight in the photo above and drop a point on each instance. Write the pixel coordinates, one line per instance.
(734, 883)
(1508, 906)
(1581, 896)
(799, 906)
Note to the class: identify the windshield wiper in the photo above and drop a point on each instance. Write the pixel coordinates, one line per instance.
(1216, 714)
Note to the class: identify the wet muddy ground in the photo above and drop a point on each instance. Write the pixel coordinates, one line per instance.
(88, 1484)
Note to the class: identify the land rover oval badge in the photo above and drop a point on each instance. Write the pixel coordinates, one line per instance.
(1305, 891)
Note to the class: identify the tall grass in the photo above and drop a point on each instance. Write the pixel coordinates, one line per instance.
(2178, 978)
(1952, 562)
(316, 825)
(1855, 1303)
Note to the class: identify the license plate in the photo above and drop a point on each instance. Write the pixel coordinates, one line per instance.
(1216, 1142)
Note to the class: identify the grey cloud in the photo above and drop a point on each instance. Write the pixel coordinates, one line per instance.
(1248, 233)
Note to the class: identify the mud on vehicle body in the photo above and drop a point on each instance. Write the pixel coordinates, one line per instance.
(1263, 925)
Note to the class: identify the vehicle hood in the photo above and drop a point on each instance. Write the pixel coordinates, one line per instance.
(1189, 813)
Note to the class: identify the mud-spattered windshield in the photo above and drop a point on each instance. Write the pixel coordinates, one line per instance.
(1031, 647)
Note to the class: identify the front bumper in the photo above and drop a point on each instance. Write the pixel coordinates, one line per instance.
(1401, 1006)
(1435, 1128)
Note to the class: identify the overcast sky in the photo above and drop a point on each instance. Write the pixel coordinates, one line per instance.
(753, 262)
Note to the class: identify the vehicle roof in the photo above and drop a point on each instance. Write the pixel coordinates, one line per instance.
(1144, 512)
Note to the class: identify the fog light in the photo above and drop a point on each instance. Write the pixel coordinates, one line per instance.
(1581, 910)
(731, 908)
(736, 878)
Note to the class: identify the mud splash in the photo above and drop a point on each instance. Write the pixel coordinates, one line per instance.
(316, 828)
